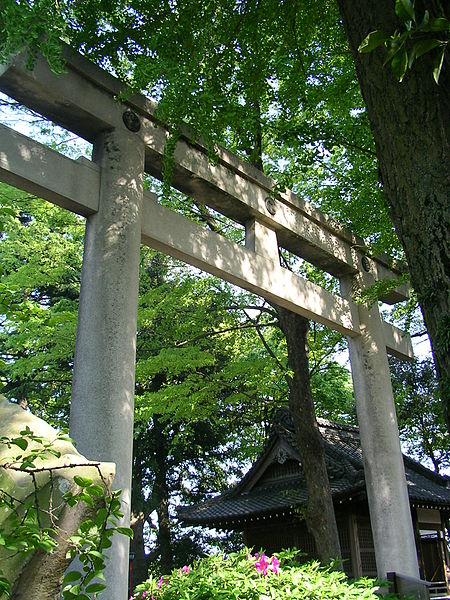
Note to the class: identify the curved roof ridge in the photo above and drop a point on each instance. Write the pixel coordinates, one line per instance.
(426, 472)
(337, 425)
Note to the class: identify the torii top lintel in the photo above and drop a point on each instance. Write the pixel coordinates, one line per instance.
(84, 101)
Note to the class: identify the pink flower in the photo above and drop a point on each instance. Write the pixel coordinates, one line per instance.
(262, 564)
(185, 569)
(162, 580)
(265, 564)
(274, 564)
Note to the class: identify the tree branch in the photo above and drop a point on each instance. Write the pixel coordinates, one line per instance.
(261, 308)
(266, 345)
(221, 331)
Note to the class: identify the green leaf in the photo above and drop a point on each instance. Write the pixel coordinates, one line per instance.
(101, 516)
(27, 464)
(21, 442)
(439, 24)
(400, 63)
(425, 20)
(125, 531)
(86, 498)
(48, 545)
(95, 587)
(397, 43)
(106, 543)
(372, 41)
(5, 586)
(437, 65)
(71, 499)
(95, 490)
(96, 553)
(71, 577)
(75, 539)
(8, 211)
(87, 580)
(52, 452)
(82, 481)
(424, 46)
(404, 9)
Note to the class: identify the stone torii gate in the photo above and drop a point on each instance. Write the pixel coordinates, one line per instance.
(128, 141)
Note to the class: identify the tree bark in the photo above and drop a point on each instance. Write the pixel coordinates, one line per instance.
(410, 122)
(140, 564)
(161, 493)
(140, 506)
(42, 576)
(320, 517)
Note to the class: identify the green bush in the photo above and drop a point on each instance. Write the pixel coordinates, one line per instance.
(243, 576)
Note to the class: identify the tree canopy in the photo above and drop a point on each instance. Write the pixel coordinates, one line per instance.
(229, 68)
(276, 83)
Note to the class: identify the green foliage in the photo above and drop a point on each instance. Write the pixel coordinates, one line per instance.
(32, 26)
(40, 264)
(272, 81)
(420, 412)
(192, 380)
(25, 531)
(92, 539)
(332, 391)
(416, 37)
(27, 460)
(383, 287)
(32, 524)
(187, 339)
(243, 576)
(206, 386)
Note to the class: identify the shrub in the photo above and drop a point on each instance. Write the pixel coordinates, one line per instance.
(243, 576)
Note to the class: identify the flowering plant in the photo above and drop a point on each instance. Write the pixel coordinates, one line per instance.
(264, 564)
(247, 576)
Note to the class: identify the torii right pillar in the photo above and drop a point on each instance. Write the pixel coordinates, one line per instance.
(390, 513)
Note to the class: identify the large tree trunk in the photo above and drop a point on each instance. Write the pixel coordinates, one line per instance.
(140, 564)
(320, 517)
(41, 578)
(411, 126)
(161, 493)
(140, 507)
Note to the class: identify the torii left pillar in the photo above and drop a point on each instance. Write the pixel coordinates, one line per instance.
(102, 405)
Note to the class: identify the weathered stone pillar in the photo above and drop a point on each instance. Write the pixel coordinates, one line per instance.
(101, 414)
(383, 464)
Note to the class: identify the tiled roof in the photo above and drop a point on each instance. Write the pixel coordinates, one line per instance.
(257, 494)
